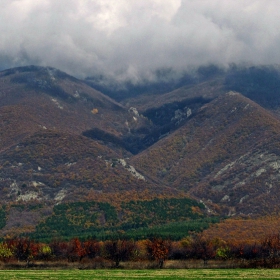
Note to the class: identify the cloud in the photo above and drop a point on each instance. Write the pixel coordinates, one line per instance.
(131, 39)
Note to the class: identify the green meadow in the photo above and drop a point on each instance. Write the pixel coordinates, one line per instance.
(166, 274)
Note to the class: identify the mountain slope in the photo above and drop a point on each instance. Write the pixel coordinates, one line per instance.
(227, 154)
(54, 100)
(52, 166)
(45, 116)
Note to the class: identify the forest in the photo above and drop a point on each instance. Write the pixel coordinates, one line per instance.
(168, 217)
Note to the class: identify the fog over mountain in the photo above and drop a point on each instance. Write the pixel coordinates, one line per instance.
(130, 40)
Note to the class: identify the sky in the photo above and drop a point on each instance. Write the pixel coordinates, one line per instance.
(129, 40)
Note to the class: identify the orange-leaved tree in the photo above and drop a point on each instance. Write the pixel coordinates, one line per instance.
(158, 249)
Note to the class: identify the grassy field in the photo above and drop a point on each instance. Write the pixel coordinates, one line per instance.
(166, 274)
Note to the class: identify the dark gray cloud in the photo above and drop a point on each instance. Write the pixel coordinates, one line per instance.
(130, 39)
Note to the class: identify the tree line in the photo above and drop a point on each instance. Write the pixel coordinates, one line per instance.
(157, 250)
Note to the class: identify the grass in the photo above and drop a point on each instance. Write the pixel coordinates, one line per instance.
(166, 274)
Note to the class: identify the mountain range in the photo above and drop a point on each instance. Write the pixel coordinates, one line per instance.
(214, 140)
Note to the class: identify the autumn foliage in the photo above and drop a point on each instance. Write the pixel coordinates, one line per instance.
(158, 251)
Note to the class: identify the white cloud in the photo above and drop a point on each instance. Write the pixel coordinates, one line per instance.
(129, 39)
